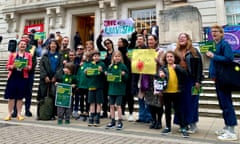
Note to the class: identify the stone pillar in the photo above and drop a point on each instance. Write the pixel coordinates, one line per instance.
(51, 13)
(60, 12)
(12, 20)
(221, 12)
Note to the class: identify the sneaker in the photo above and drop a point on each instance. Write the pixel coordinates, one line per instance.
(158, 125)
(75, 114)
(152, 126)
(184, 133)
(130, 118)
(228, 136)
(28, 114)
(166, 131)
(220, 132)
(110, 125)
(193, 129)
(119, 126)
(90, 122)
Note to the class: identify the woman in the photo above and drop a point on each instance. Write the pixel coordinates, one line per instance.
(154, 102)
(50, 70)
(109, 49)
(17, 78)
(192, 62)
(123, 48)
(222, 55)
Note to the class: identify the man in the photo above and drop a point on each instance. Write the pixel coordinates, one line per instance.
(31, 49)
(64, 49)
(59, 37)
(154, 29)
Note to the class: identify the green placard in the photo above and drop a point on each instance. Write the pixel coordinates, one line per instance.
(40, 35)
(130, 52)
(114, 78)
(21, 63)
(103, 55)
(207, 46)
(196, 91)
(63, 95)
(92, 71)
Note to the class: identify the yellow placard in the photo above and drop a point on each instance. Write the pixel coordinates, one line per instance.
(143, 61)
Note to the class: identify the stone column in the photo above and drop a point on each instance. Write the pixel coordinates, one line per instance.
(221, 12)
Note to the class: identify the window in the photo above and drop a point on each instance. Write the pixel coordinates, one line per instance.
(232, 12)
(143, 18)
(34, 21)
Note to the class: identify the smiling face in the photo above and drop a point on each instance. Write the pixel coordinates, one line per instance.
(117, 57)
(151, 42)
(53, 46)
(170, 58)
(96, 57)
(182, 39)
(108, 44)
(22, 45)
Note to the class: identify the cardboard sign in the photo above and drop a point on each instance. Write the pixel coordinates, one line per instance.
(143, 61)
(63, 95)
(207, 46)
(114, 78)
(21, 63)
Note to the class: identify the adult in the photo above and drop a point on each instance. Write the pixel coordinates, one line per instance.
(154, 29)
(108, 47)
(59, 37)
(189, 103)
(65, 49)
(28, 98)
(123, 48)
(220, 57)
(77, 40)
(51, 69)
(17, 83)
(139, 90)
(155, 102)
(47, 41)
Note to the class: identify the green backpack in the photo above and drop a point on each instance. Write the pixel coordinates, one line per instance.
(46, 108)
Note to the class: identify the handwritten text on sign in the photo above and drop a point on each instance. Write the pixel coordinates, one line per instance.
(118, 27)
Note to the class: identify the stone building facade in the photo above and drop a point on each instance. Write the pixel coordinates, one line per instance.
(69, 16)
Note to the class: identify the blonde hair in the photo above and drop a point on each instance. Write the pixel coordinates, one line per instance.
(220, 28)
(115, 53)
(188, 46)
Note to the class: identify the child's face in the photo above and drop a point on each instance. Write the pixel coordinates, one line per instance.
(117, 58)
(96, 57)
(71, 56)
(66, 71)
(170, 58)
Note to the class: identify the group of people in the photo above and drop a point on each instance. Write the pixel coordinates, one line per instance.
(99, 84)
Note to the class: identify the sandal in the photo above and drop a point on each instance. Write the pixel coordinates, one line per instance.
(8, 118)
(20, 118)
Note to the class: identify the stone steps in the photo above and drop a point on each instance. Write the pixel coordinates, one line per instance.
(208, 104)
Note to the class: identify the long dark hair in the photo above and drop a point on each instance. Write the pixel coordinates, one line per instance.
(55, 41)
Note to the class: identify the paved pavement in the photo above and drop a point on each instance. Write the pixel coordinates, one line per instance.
(32, 131)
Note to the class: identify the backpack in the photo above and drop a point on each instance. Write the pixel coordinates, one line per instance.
(46, 108)
(12, 45)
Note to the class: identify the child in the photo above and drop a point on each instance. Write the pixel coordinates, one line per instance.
(117, 75)
(82, 88)
(95, 73)
(67, 78)
(172, 94)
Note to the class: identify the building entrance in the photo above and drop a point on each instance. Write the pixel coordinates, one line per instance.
(85, 27)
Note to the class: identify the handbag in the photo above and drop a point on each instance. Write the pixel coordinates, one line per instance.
(228, 76)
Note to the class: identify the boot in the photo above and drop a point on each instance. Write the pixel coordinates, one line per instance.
(97, 120)
(91, 119)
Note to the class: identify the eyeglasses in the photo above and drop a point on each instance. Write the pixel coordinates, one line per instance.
(215, 31)
(80, 48)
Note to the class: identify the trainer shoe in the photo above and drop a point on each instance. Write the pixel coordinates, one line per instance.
(75, 114)
(228, 136)
(166, 131)
(110, 125)
(130, 118)
(184, 133)
(220, 132)
(119, 126)
(192, 129)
